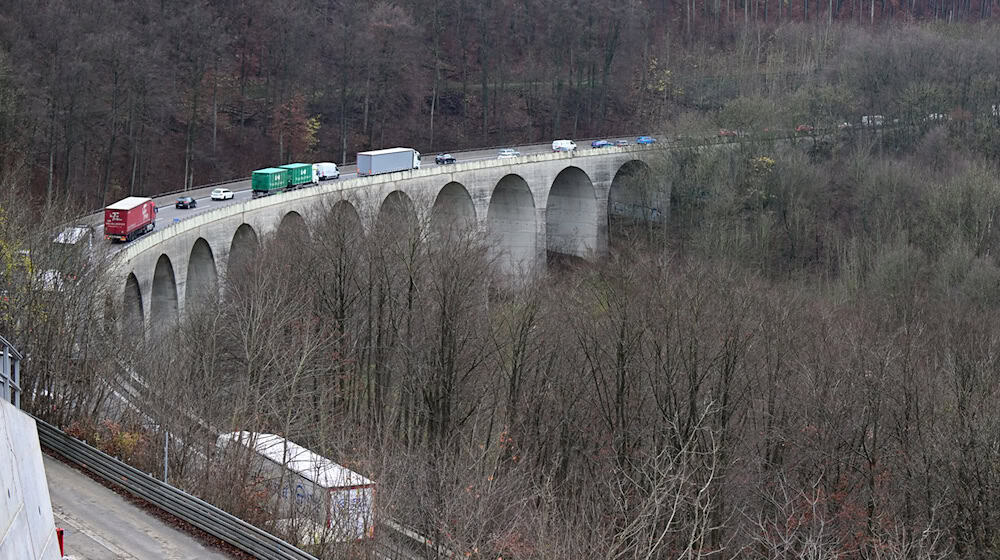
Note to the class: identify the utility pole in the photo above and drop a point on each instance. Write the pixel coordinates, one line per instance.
(166, 453)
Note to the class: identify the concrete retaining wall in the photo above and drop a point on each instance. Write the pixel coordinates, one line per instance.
(27, 529)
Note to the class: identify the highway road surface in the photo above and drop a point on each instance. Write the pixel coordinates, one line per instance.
(99, 524)
(167, 213)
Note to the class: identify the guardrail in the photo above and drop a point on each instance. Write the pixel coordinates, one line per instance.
(178, 503)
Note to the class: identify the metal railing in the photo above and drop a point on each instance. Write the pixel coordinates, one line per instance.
(178, 503)
(10, 373)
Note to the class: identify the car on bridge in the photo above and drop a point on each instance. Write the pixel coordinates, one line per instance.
(223, 194)
(645, 140)
(563, 146)
(508, 153)
(621, 143)
(186, 202)
(444, 159)
(326, 171)
(601, 144)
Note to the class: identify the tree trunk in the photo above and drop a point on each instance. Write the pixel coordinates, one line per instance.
(189, 141)
(484, 67)
(113, 128)
(609, 57)
(215, 108)
(364, 120)
(50, 184)
(436, 30)
(243, 88)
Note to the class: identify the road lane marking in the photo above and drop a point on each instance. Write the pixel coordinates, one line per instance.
(82, 528)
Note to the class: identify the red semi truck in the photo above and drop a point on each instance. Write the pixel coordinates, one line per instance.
(129, 218)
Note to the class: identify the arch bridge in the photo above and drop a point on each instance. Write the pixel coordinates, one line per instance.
(527, 207)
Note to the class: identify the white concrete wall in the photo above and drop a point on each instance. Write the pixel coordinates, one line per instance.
(27, 529)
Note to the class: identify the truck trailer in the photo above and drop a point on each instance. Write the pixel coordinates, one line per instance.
(300, 174)
(129, 218)
(387, 161)
(268, 180)
(305, 486)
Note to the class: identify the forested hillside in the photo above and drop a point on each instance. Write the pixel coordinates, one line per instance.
(801, 362)
(102, 99)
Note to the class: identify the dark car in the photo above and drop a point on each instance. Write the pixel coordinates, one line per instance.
(645, 140)
(443, 159)
(186, 202)
(600, 144)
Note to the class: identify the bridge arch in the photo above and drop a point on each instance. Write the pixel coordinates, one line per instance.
(292, 226)
(339, 230)
(345, 216)
(571, 214)
(202, 278)
(242, 248)
(164, 308)
(397, 213)
(634, 198)
(511, 224)
(453, 211)
(132, 306)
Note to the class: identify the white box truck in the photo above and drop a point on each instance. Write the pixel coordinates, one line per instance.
(387, 161)
(309, 487)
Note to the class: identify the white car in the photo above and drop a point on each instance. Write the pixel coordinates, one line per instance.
(223, 194)
(508, 153)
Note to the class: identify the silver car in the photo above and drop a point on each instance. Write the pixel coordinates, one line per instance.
(508, 153)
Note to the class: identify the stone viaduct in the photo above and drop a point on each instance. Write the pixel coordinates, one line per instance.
(556, 202)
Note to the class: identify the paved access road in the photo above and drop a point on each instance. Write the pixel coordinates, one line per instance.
(99, 524)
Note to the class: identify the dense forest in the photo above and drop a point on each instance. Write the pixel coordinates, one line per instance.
(101, 99)
(801, 362)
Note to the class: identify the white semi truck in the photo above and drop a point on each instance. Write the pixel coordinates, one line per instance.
(339, 503)
(387, 161)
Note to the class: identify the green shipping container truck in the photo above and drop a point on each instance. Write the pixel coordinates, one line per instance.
(266, 181)
(299, 173)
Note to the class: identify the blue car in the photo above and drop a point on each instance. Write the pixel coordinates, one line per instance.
(645, 140)
(600, 144)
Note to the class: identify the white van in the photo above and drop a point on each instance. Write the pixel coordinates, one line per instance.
(326, 171)
(563, 146)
